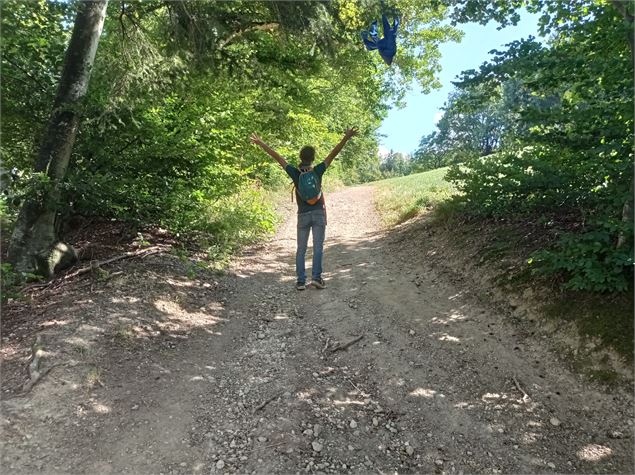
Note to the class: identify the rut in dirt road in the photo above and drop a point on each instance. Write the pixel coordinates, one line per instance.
(438, 382)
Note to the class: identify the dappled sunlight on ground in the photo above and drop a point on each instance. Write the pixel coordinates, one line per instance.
(594, 452)
(452, 317)
(446, 337)
(191, 371)
(421, 392)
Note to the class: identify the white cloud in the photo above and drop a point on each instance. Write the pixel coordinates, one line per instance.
(383, 151)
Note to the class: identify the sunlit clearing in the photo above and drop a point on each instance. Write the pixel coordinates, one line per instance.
(593, 452)
(422, 392)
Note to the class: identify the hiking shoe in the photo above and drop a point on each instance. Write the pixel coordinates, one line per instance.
(319, 283)
(300, 286)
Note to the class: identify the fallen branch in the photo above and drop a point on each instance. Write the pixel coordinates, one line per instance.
(262, 406)
(346, 345)
(140, 253)
(41, 285)
(526, 397)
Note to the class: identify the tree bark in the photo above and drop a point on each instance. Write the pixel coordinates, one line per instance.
(35, 247)
(629, 18)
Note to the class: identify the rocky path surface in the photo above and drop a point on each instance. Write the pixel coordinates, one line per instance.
(165, 369)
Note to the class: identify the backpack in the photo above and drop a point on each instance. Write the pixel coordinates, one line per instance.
(309, 186)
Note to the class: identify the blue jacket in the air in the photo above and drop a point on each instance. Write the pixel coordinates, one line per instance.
(387, 46)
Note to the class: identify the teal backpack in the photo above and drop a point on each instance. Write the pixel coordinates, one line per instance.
(309, 186)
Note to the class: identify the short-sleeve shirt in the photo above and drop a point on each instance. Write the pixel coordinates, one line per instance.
(294, 173)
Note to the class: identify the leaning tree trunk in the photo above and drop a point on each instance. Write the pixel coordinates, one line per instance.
(35, 247)
(625, 10)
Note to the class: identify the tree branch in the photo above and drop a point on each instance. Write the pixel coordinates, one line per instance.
(236, 34)
(35, 80)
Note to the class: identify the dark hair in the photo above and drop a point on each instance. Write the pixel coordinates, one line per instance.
(307, 154)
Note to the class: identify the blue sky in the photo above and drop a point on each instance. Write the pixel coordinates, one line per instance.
(403, 128)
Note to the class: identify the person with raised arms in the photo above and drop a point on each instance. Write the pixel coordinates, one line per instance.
(307, 181)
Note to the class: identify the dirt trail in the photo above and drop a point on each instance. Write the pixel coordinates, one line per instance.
(164, 369)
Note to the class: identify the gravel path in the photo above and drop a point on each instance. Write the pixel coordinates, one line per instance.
(162, 371)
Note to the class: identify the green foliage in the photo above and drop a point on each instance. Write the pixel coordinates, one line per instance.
(177, 88)
(396, 164)
(564, 147)
(590, 261)
(472, 125)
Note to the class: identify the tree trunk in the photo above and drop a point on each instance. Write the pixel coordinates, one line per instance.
(34, 246)
(625, 10)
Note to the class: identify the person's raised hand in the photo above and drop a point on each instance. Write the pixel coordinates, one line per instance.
(255, 139)
(352, 132)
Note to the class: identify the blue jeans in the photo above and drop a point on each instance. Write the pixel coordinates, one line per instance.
(315, 222)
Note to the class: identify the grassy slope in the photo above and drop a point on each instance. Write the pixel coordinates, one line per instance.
(607, 318)
(402, 198)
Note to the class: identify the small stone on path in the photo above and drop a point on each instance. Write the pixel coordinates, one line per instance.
(316, 446)
(554, 422)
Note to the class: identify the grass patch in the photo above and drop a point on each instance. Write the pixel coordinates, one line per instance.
(402, 198)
